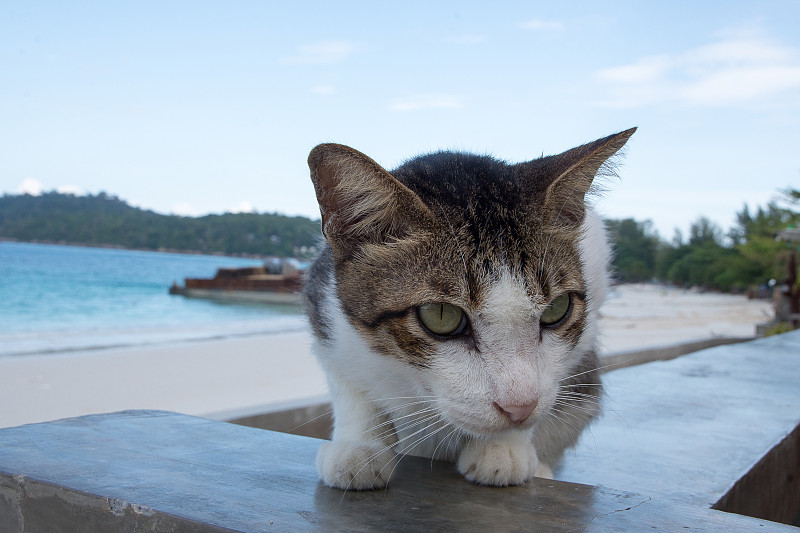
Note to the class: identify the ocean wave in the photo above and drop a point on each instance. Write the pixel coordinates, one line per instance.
(56, 342)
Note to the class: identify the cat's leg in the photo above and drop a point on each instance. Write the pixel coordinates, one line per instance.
(359, 456)
(508, 459)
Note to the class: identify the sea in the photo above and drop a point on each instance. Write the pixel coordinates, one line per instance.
(56, 298)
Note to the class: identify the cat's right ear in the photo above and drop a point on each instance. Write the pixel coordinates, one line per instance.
(359, 201)
(573, 172)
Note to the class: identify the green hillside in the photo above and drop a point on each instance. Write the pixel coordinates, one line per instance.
(104, 220)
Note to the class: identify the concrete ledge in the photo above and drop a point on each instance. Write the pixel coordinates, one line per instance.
(689, 429)
(771, 489)
(616, 360)
(146, 470)
(312, 417)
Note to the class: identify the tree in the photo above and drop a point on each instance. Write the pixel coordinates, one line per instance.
(766, 257)
(635, 245)
(703, 231)
(704, 261)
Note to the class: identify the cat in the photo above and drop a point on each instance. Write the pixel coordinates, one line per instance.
(454, 308)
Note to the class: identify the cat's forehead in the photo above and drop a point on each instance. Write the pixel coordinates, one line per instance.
(516, 274)
(509, 298)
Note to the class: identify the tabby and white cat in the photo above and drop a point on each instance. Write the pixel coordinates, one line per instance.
(455, 310)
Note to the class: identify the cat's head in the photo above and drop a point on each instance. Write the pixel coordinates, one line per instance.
(480, 277)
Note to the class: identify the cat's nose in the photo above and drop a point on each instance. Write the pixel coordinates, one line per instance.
(517, 413)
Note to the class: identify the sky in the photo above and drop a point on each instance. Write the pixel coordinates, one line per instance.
(204, 107)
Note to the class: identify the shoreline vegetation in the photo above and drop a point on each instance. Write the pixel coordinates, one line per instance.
(745, 258)
(106, 221)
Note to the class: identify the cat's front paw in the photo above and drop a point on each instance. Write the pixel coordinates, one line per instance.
(498, 462)
(355, 465)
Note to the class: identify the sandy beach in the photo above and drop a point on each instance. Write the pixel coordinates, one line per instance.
(639, 316)
(226, 378)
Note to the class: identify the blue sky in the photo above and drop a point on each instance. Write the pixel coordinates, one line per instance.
(198, 107)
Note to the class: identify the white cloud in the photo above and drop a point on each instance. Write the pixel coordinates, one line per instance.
(323, 52)
(645, 70)
(542, 25)
(427, 101)
(30, 186)
(743, 84)
(739, 69)
(243, 207)
(184, 209)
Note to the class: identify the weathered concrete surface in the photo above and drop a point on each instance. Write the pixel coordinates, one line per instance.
(771, 489)
(312, 419)
(617, 360)
(35, 506)
(150, 470)
(688, 429)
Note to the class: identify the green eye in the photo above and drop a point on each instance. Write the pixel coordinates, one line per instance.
(442, 319)
(556, 310)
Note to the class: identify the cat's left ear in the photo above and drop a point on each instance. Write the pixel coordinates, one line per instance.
(359, 201)
(574, 171)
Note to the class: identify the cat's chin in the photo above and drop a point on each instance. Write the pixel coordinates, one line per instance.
(490, 429)
(480, 420)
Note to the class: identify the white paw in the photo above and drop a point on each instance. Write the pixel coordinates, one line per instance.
(499, 462)
(355, 465)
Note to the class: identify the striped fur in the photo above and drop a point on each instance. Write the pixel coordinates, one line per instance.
(499, 241)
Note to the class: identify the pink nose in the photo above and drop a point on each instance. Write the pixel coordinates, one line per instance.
(517, 413)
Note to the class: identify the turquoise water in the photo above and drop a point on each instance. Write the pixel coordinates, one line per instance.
(55, 298)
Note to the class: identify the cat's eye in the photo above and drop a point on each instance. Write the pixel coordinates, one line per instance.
(442, 318)
(557, 310)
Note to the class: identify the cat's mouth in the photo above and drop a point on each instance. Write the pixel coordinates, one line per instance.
(492, 419)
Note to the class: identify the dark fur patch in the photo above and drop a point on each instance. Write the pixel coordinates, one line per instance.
(441, 228)
(317, 280)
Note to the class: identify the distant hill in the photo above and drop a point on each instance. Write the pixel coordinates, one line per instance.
(105, 220)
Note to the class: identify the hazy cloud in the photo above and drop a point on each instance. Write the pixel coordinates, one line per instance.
(30, 186)
(184, 209)
(243, 207)
(734, 70)
(323, 52)
(427, 101)
(34, 187)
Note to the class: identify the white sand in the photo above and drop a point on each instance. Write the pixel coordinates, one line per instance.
(200, 378)
(222, 378)
(645, 316)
